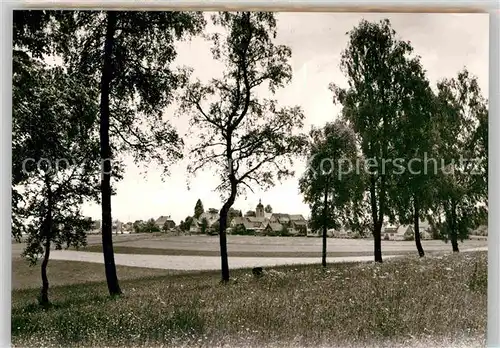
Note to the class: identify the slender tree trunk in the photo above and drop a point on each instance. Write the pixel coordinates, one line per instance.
(107, 223)
(44, 293)
(453, 229)
(377, 236)
(223, 238)
(416, 221)
(46, 232)
(223, 247)
(325, 226)
(377, 225)
(222, 231)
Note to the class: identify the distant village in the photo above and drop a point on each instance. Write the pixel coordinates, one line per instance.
(260, 222)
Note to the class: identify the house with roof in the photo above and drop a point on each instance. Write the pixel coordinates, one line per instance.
(211, 216)
(280, 218)
(425, 229)
(258, 223)
(298, 225)
(237, 220)
(273, 228)
(162, 220)
(389, 232)
(271, 223)
(406, 231)
(295, 223)
(195, 226)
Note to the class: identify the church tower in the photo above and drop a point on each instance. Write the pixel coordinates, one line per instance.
(259, 211)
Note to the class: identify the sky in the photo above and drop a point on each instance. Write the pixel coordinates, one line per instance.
(446, 43)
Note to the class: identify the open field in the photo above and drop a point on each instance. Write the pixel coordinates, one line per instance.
(192, 253)
(256, 246)
(253, 246)
(121, 249)
(433, 302)
(72, 272)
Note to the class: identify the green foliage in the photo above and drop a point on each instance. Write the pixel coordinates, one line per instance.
(186, 224)
(214, 228)
(233, 213)
(256, 148)
(165, 227)
(150, 226)
(127, 56)
(284, 232)
(412, 190)
(386, 94)
(245, 139)
(198, 209)
(204, 225)
(268, 209)
(241, 230)
(331, 186)
(37, 31)
(138, 226)
(461, 189)
(146, 227)
(143, 81)
(55, 154)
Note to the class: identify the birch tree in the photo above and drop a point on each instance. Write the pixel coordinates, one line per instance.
(248, 141)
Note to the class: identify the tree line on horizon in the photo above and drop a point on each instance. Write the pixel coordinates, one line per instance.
(107, 97)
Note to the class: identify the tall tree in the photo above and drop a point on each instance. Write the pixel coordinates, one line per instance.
(246, 139)
(268, 209)
(56, 161)
(371, 63)
(31, 37)
(128, 54)
(462, 190)
(150, 226)
(331, 186)
(198, 209)
(412, 188)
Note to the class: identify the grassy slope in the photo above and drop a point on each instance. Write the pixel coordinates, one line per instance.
(72, 272)
(426, 300)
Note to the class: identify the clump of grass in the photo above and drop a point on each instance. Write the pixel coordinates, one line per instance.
(478, 281)
(410, 298)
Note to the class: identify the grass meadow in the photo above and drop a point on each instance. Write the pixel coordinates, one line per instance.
(431, 302)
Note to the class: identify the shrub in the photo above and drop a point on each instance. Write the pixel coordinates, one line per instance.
(241, 230)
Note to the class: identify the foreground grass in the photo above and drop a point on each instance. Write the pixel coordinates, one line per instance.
(398, 302)
(120, 249)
